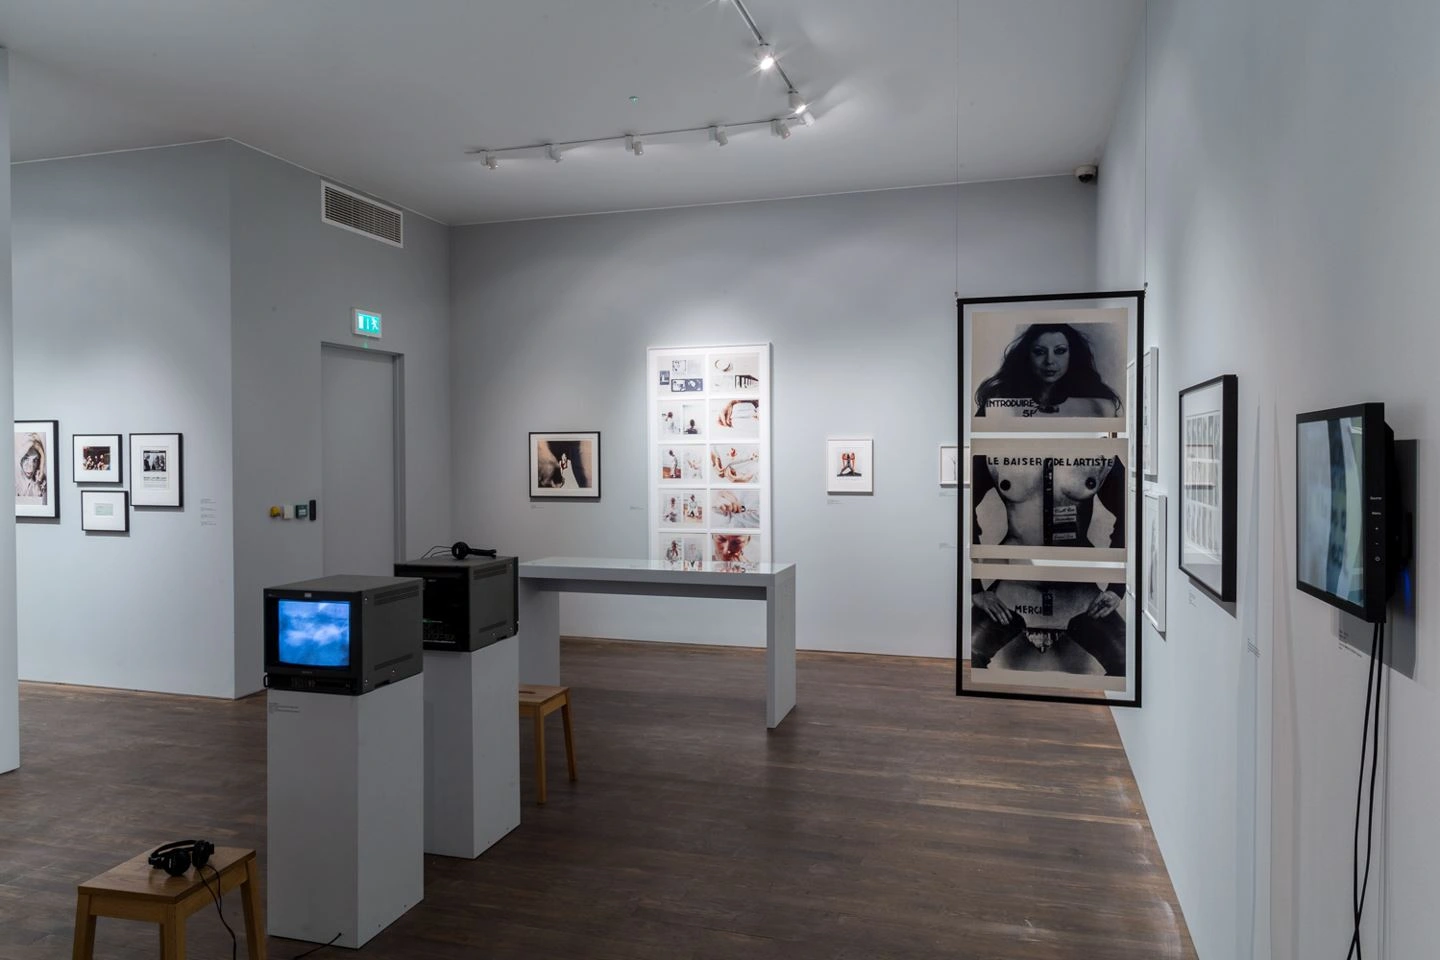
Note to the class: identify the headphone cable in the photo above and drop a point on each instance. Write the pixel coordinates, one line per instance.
(315, 949)
(215, 895)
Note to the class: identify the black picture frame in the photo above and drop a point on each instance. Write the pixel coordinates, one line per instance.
(550, 482)
(137, 473)
(49, 431)
(1199, 521)
(86, 495)
(1134, 598)
(77, 467)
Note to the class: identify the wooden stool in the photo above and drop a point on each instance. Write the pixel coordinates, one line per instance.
(137, 891)
(539, 702)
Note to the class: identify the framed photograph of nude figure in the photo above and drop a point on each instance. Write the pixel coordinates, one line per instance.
(1049, 499)
(1061, 629)
(1049, 400)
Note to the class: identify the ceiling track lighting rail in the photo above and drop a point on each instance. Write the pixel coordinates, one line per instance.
(717, 133)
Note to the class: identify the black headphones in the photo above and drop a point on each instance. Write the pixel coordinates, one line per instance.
(175, 858)
(460, 550)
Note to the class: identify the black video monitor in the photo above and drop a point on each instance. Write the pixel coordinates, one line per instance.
(1343, 527)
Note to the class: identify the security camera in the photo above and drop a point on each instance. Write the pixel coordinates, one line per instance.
(1087, 172)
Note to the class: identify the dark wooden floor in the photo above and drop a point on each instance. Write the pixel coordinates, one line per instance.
(885, 818)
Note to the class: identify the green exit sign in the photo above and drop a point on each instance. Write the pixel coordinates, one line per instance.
(367, 324)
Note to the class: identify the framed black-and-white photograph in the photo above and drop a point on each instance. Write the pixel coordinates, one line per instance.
(1049, 370)
(850, 465)
(1207, 485)
(97, 458)
(950, 466)
(105, 511)
(157, 470)
(1063, 629)
(565, 466)
(1150, 415)
(37, 492)
(1049, 499)
(1153, 546)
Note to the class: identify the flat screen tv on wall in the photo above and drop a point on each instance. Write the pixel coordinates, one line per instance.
(1346, 528)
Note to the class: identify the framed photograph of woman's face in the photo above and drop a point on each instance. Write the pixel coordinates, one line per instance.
(1207, 485)
(565, 466)
(96, 458)
(1048, 370)
(37, 494)
(157, 469)
(105, 511)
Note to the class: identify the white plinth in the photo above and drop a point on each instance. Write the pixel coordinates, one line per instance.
(472, 748)
(346, 811)
(542, 582)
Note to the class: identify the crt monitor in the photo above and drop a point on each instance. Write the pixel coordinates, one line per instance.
(313, 633)
(1344, 529)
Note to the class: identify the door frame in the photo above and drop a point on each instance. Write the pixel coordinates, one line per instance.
(397, 367)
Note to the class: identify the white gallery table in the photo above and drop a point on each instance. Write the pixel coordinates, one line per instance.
(542, 582)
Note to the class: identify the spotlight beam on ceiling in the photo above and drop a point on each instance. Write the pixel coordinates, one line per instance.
(760, 40)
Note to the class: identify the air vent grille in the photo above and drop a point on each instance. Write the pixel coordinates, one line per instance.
(350, 211)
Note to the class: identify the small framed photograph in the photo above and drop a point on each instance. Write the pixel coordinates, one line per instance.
(157, 469)
(97, 458)
(105, 511)
(1150, 416)
(36, 494)
(950, 466)
(1153, 591)
(850, 465)
(565, 466)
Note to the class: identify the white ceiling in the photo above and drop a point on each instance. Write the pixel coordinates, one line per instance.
(388, 96)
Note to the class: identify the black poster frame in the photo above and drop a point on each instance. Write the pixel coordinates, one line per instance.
(1134, 595)
(1229, 385)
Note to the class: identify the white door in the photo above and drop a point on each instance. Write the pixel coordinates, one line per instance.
(359, 470)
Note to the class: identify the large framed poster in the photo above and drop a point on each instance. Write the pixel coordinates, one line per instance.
(709, 456)
(1208, 449)
(1047, 589)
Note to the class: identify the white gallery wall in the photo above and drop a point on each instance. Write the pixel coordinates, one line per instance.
(1271, 174)
(551, 320)
(122, 324)
(188, 289)
(294, 282)
(9, 652)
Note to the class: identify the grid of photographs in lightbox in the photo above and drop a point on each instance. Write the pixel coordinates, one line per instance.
(710, 457)
(1050, 515)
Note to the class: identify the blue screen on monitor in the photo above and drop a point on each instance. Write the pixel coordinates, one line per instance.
(314, 633)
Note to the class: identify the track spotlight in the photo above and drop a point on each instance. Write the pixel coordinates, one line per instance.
(807, 118)
(764, 56)
(635, 145)
(780, 129)
(797, 103)
(553, 152)
(718, 135)
(492, 161)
